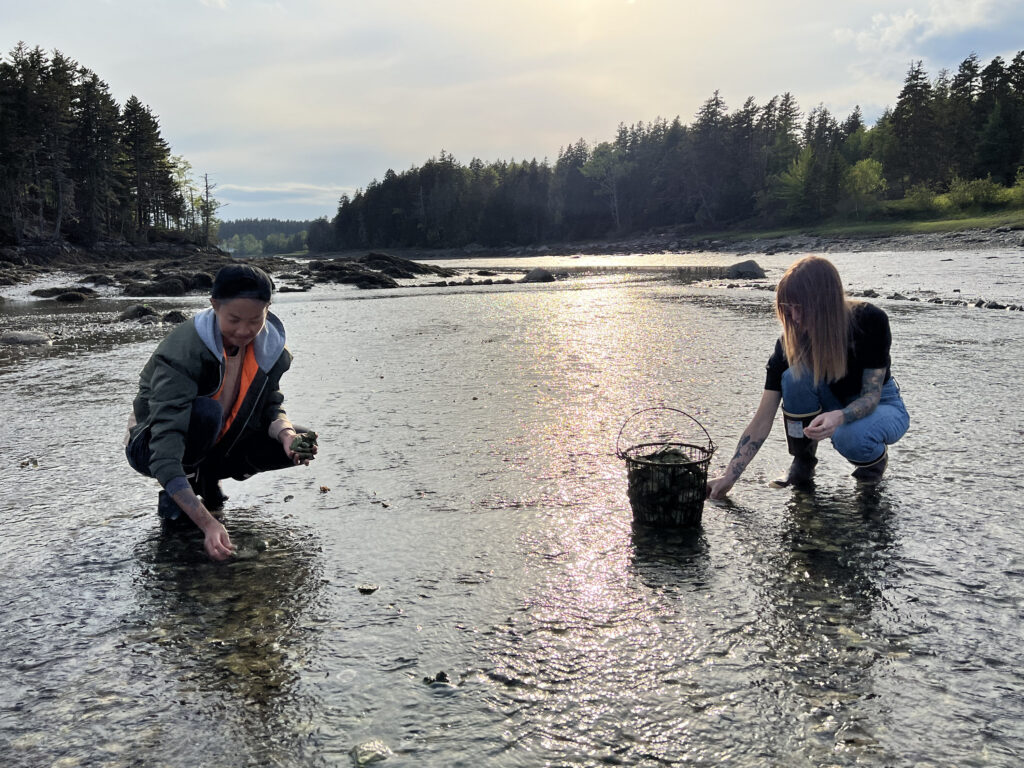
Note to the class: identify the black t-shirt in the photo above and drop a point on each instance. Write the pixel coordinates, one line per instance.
(870, 340)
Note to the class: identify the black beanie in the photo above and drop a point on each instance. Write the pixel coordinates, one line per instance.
(242, 281)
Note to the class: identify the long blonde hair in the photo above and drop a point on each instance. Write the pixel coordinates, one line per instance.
(819, 345)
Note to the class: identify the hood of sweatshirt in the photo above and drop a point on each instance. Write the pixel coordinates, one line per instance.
(267, 346)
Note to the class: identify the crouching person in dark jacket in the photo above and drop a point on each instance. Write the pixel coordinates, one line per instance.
(210, 405)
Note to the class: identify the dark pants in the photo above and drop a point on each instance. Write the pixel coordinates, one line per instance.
(205, 458)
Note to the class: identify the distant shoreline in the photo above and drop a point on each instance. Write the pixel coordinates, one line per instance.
(20, 264)
(967, 239)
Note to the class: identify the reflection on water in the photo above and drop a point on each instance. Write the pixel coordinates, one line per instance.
(823, 584)
(468, 445)
(231, 628)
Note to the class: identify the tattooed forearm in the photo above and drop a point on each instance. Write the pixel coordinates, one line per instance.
(870, 394)
(745, 452)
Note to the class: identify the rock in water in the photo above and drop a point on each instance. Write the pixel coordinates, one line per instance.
(28, 338)
(538, 275)
(174, 316)
(370, 752)
(137, 312)
(71, 297)
(745, 269)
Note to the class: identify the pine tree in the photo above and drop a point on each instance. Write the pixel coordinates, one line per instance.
(914, 130)
(94, 157)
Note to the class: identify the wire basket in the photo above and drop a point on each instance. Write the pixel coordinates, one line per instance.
(667, 470)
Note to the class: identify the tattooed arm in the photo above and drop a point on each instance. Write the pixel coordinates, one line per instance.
(827, 423)
(750, 442)
(870, 395)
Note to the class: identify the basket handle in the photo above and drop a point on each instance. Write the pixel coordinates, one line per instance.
(618, 440)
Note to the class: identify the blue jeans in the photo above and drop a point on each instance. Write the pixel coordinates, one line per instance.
(861, 441)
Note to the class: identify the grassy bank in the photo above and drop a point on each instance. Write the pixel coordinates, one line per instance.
(945, 222)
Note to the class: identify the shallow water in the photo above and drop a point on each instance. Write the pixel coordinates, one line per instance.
(468, 472)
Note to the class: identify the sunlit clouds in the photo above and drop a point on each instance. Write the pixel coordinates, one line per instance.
(297, 102)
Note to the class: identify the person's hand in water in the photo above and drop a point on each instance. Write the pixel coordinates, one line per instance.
(718, 487)
(216, 539)
(218, 542)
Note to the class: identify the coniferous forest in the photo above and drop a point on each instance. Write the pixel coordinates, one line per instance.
(262, 237)
(76, 166)
(954, 142)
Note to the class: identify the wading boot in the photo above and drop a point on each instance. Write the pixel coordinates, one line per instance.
(802, 449)
(209, 488)
(167, 508)
(871, 472)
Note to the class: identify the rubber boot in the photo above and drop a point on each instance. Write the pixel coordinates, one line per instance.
(207, 486)
(167, 507)
(871, 472)
(802, 449)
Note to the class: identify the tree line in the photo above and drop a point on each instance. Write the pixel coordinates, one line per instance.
(960, 135)
(257, 237)
(75, 165)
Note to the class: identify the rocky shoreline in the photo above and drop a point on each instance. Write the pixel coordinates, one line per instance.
(181, 270)
(665, 242)
(178, 269)
(150, 263)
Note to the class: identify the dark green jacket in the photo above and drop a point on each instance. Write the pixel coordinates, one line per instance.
(189, 363)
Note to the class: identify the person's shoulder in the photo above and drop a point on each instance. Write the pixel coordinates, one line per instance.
(865, 311)
(183, 339)
(182, 331)
(869, 321)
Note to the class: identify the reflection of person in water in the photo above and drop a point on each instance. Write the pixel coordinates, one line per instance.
(210, 406)
(830, 371)
(234, 630)
(824, 615)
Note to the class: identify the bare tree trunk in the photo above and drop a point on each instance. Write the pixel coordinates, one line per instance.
(59, 218)
(207, 188)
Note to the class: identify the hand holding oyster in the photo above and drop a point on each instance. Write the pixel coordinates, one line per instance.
(304, 446)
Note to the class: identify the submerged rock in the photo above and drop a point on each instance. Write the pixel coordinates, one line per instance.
(369, 752)
(28, 338)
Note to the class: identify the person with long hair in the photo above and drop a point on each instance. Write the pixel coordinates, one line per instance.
(831, 372)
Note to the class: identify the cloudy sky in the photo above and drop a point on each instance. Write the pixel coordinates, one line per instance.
(289, 104)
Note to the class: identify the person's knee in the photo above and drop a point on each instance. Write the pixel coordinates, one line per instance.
(207, 414)
(799, 394)
(856, 446)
